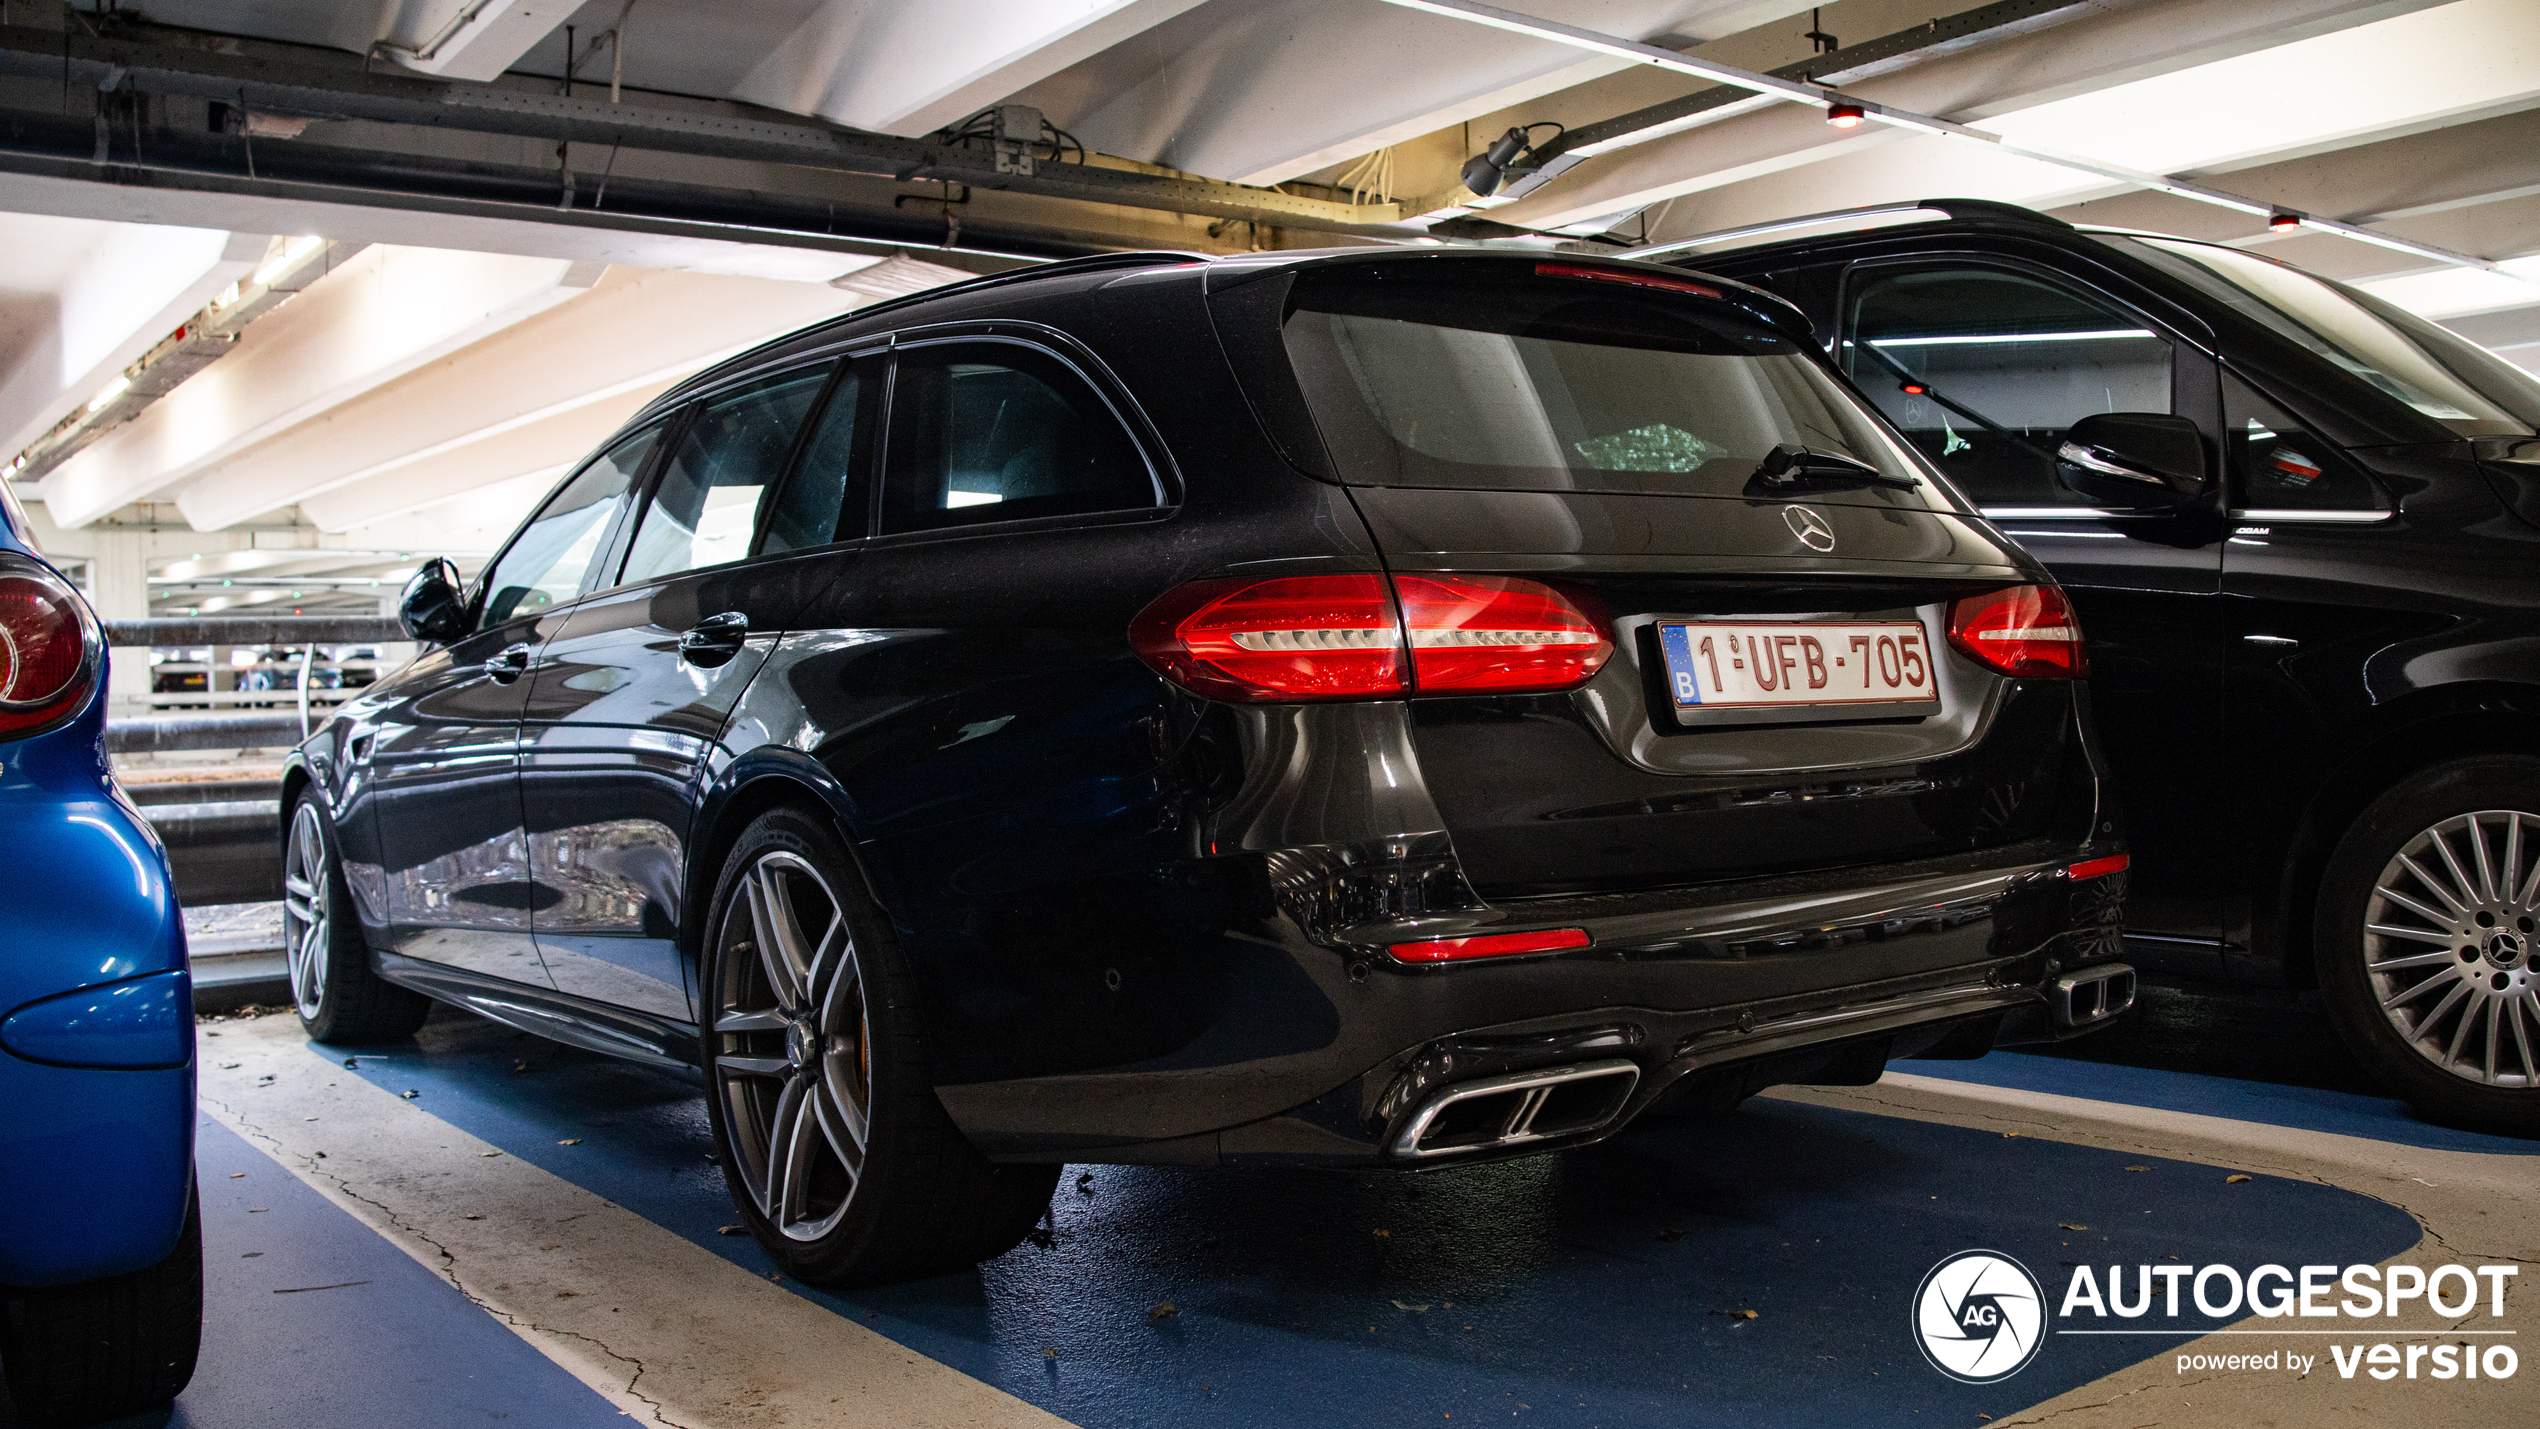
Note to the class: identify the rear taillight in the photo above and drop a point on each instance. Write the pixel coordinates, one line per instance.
(1495, 635)
(1287, 638)
(2024, 630)
(48, 649)
(1341, 637)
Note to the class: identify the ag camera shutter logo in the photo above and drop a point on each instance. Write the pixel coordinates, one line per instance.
(1979, 1316)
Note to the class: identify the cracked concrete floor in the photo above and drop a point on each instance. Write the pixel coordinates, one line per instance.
(613, 1279)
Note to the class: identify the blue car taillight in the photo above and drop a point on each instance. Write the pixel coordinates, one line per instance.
(50, 648)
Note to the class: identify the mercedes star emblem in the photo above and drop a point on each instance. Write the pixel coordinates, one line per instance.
(1809, 527)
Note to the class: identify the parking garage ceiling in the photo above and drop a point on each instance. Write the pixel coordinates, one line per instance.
(295, 276)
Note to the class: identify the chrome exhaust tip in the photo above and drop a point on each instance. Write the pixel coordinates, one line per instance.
(2092, 995)
(1489, 1113)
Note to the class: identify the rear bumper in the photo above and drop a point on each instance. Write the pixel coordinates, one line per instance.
(1818, 979)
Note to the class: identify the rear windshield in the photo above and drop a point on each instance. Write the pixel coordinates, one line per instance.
(2440, 374)
(1562, 385)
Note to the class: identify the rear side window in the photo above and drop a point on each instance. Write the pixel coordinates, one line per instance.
(829, 496)
(705, 507)
(1985, 370)
(545, 565)
(1522, 385)
(994, 431)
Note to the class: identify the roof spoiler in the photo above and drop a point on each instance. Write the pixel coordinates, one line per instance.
(1955, 210)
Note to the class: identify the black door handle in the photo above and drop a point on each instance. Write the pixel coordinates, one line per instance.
(505, 667)
(715, 639)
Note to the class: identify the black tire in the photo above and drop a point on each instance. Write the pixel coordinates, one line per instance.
(919, 1200)
(341, 1002)
(101, 1349)
(2456, 965)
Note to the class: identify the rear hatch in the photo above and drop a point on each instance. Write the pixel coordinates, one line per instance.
(1777, 574)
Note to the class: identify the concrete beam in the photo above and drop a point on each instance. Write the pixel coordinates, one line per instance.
(633, 331)
(545, 448)
(913, 69)
(2077, 60)
(1262, 91)
(387, 312)
(474, 39)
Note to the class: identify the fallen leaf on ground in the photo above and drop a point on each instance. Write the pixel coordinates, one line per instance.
(570, 1141)
(568, 1294)
(410, 1094)
(1164, 1310)
(2067, 1225)
(1414, 1309)
(2138, 1168)
(352, 1061)
(2010, 1133)
(1384, 1235)
(2235, 1180)
(234, 1175)
(489, 1153)
(732, 1230)
(227, 1066)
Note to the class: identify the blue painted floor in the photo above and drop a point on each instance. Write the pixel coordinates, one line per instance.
(1598, 1287)
(395, 1348)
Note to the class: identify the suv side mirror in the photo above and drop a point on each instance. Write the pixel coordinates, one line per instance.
(2141, 459)
(434, 606)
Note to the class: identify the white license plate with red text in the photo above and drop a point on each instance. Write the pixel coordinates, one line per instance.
(1715, 663)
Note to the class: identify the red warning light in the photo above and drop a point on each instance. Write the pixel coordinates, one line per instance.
(1844, 116)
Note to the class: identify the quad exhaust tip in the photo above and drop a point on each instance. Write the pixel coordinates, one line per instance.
(1521, 1107)
(2092, 995)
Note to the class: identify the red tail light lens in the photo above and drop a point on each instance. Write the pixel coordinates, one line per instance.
(1341, 637)
(47, 657)
(1493, 634)
(1625, 275)
(2099, 867)
(1288, 638)
(1492, 945)
(2025, 630)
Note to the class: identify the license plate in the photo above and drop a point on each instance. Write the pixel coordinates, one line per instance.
(1713, 664)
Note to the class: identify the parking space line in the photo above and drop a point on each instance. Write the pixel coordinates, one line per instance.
(659, 1327)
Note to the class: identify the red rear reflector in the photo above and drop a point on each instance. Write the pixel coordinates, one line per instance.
(1612, 275)
(45, 669)
(1492, 945)
(2024, 630)
(1340, 637)
(1495, 634)
(2096, 867)
(1287, 638)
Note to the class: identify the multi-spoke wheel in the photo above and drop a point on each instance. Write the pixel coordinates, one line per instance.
(306, 926)
(838, 1153)
(792, 1055)
(2429, 921)
(338, 997)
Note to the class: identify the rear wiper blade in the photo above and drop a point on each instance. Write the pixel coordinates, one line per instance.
(1789, 467)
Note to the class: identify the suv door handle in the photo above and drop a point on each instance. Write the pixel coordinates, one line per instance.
(505, 667)
(715, 639)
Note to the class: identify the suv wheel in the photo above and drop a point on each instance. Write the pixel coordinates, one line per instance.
(339, 998)
(2429, 919)
(839, 1156)
(76, 1354)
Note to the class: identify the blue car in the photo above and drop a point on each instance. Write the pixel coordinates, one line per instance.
(101, 1247)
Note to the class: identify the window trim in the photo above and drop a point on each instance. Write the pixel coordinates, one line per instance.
(1162, 474)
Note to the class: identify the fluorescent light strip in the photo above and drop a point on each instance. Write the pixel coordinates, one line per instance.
(1472, 12)
(2007, 337)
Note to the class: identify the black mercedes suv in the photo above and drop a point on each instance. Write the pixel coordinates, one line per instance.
(1383, 707)
(2302, 528)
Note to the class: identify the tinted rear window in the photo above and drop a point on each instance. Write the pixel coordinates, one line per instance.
(1557, 385)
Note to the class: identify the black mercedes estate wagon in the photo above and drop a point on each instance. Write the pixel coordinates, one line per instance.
(1368, 708)
(2302, 527)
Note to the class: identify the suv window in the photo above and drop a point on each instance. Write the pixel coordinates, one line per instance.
(2278, 465)
(1985, 369)
(829, 496)
(998, 432)
(705, 507)
(545, 564)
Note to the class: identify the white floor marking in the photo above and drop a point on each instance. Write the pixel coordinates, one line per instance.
(664, 1330)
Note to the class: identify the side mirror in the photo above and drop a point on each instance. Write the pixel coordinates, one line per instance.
(2140, 459)
(434, 606)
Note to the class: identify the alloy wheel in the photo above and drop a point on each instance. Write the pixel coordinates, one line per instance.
(307, 927)
(792, 1046)
(2448, 945)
